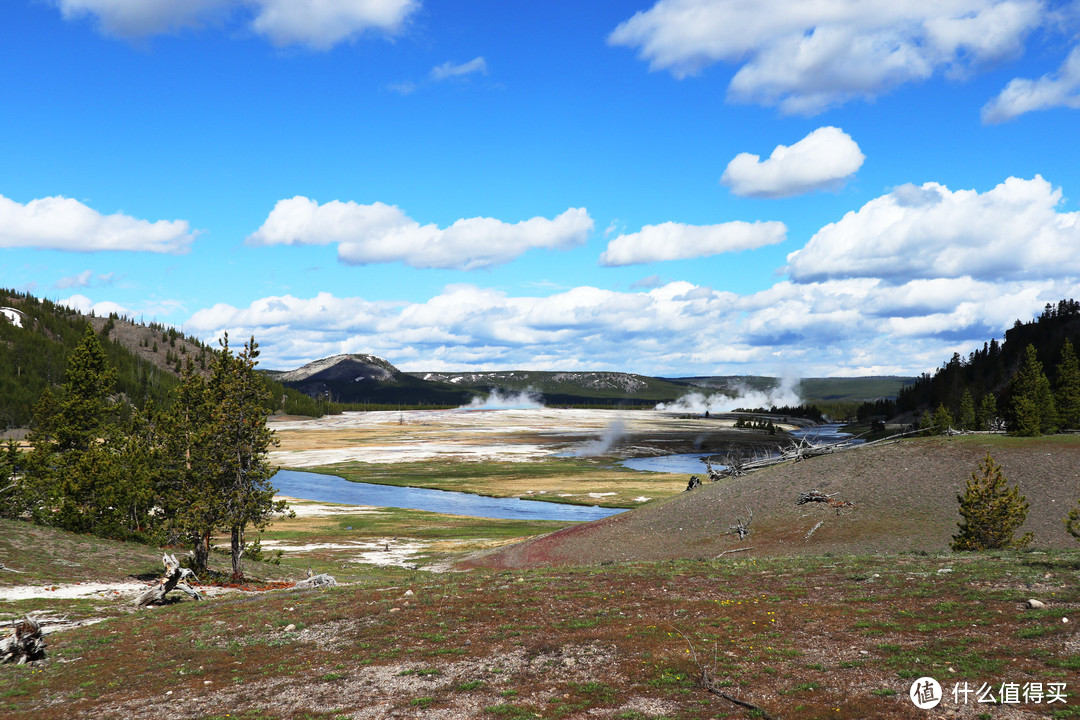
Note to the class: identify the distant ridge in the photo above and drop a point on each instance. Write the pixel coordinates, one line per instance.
(351, 367)
(359, 378)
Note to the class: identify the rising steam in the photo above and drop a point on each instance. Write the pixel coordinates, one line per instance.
(498, 400)
(784, 394)
(602, 444)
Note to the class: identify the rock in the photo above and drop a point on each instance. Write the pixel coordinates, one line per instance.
(289, 628)
(1036, 604)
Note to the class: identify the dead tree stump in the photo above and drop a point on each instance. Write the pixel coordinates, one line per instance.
(25, 644)
(174, 579)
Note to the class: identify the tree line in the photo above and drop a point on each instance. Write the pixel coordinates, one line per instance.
(175, 473)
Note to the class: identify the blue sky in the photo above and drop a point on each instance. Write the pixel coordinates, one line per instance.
(674, 188)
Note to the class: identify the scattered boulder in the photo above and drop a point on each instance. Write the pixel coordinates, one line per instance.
(1034, 604)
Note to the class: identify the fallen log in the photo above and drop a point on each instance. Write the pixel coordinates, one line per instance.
(174, 579)
(25, 644)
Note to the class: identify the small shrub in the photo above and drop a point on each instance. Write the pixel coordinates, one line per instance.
(992, 512)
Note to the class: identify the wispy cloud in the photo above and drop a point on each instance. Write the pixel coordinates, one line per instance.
(445, 72)
(450, 70)
(84, 279)
(1053, 90)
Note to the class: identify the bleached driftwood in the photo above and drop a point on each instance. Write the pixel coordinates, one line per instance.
(5, 567)
(26, 643)
(813, 530)
(314, 581)
(742, 549)
(174, 579)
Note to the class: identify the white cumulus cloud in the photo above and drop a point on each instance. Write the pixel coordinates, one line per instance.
(820, 160)
(677, 241)
(1060, 89)
(844, 326)
(380, 233)
(317, 24)
(808, 56)
(321, 24)
(1012, 231)
(59, 223)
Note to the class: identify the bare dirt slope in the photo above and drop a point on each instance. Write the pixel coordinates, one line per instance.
(904, 496)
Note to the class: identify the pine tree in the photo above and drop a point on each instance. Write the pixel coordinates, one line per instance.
(1072, 521)
(1032, 401)
(942, 420)
(991, 512)
(186, 487)
(1067, 395)
(987, 416)
(966, 419)
(81, 474)
(10, 471)
(239, 443)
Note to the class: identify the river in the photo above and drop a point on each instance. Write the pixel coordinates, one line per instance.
(334, 489)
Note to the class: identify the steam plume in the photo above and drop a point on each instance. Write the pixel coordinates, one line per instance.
(786, 393)
(498, 400)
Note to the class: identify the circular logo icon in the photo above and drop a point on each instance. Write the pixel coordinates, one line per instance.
(925, 693)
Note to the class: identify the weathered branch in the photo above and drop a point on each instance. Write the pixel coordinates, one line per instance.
(707, 682)
(173, 579)
(751, 547)
(5, 567)
(25, 644)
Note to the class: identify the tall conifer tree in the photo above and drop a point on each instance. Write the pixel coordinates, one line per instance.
(1032, 401)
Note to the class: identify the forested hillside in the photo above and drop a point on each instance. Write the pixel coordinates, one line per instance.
(991, 376)
(37, 341)
(34, 354)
